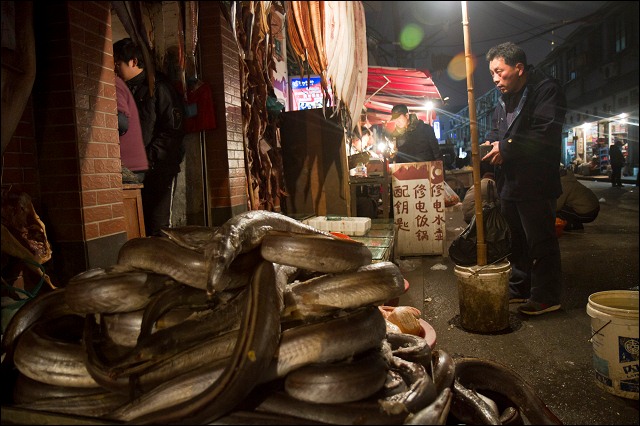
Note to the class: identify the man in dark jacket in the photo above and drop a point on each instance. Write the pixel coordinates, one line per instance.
(526, 139)
(415, 140)
(617, 162)
(161, 118)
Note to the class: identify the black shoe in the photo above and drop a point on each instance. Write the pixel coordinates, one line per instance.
(535, 308)
(573, 226)
(516, 298)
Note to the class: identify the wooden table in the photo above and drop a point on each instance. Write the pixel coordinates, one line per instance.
(133, 214)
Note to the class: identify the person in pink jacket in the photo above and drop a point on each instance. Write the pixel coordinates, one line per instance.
(132, 152)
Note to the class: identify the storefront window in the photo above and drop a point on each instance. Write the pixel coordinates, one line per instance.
(590, 140)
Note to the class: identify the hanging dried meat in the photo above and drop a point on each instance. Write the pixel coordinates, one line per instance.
(23, 233)
(331, 37)
(251, 25)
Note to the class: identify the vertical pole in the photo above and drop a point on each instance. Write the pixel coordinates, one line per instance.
(475, 156)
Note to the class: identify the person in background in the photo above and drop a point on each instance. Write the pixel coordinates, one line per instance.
(368, 143)
(526, 139)
(487, 186)
(132, 153)
(161, 119)
(355, 146)
(617, 161)
(415, 140)
(362, 142)
(577, 204)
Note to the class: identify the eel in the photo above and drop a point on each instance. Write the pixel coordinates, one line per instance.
(27, 390)
(411, 348)
(443, 370)
(371, 284)
(365, 412)
(481, 374)
(469, 407)
(51, 352)
(113, 292)
(167, 342)
(163, 256)
(207, 352)
(90, 405)
(173, 391)
(435, 413)
(242, 233)
(421, 392)
(327, 340)
(43, 307)
(314, 252)
(122, 328)
(255, 347)
(339, 382)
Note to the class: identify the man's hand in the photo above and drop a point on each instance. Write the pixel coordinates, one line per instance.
(493, 156)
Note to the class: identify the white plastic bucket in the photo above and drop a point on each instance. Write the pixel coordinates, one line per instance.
(483, 292)
(614, 330)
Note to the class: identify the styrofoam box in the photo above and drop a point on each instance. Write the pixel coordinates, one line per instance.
(352, 226)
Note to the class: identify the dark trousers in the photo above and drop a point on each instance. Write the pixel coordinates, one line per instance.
(572, 216)
(535, 253)
(616, 175)
(157, 196)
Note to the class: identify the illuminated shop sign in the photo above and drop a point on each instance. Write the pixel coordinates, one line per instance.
(306, 93)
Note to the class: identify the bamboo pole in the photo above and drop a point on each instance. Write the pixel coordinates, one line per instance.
(475, 155)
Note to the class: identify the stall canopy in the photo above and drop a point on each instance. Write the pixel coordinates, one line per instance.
(388, 86)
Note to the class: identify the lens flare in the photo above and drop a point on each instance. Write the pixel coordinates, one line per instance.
(457, 67)
(411, 36)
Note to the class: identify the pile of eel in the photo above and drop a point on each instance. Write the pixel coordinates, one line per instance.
(263, 320)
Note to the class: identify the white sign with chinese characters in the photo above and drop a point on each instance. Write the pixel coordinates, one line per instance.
(418, 207)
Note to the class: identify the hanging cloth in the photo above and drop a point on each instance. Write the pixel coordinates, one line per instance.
(200, 112)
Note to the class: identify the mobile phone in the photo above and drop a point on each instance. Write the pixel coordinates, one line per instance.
(484, 150)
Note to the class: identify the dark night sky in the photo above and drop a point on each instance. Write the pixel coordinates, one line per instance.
(535, 25)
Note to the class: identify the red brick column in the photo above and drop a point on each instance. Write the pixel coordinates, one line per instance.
(224, 150)
(76, 132)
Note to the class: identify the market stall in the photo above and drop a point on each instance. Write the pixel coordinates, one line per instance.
(389, 86)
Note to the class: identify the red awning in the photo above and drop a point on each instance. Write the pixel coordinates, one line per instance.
(388, 86)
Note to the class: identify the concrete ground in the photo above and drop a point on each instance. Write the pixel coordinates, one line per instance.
(551, 352)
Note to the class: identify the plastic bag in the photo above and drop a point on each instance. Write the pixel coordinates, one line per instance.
(450, 196)
(497, 234)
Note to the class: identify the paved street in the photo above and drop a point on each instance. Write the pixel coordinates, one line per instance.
(551, 352)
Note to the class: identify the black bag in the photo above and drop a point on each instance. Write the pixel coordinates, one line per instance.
(497, 236)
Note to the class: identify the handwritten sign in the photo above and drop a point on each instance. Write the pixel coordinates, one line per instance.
(418, 207)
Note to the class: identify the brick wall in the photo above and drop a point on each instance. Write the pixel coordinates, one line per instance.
(225, 167)
(65, 152)
(76, 135)
(96, 119)
(20, 162)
